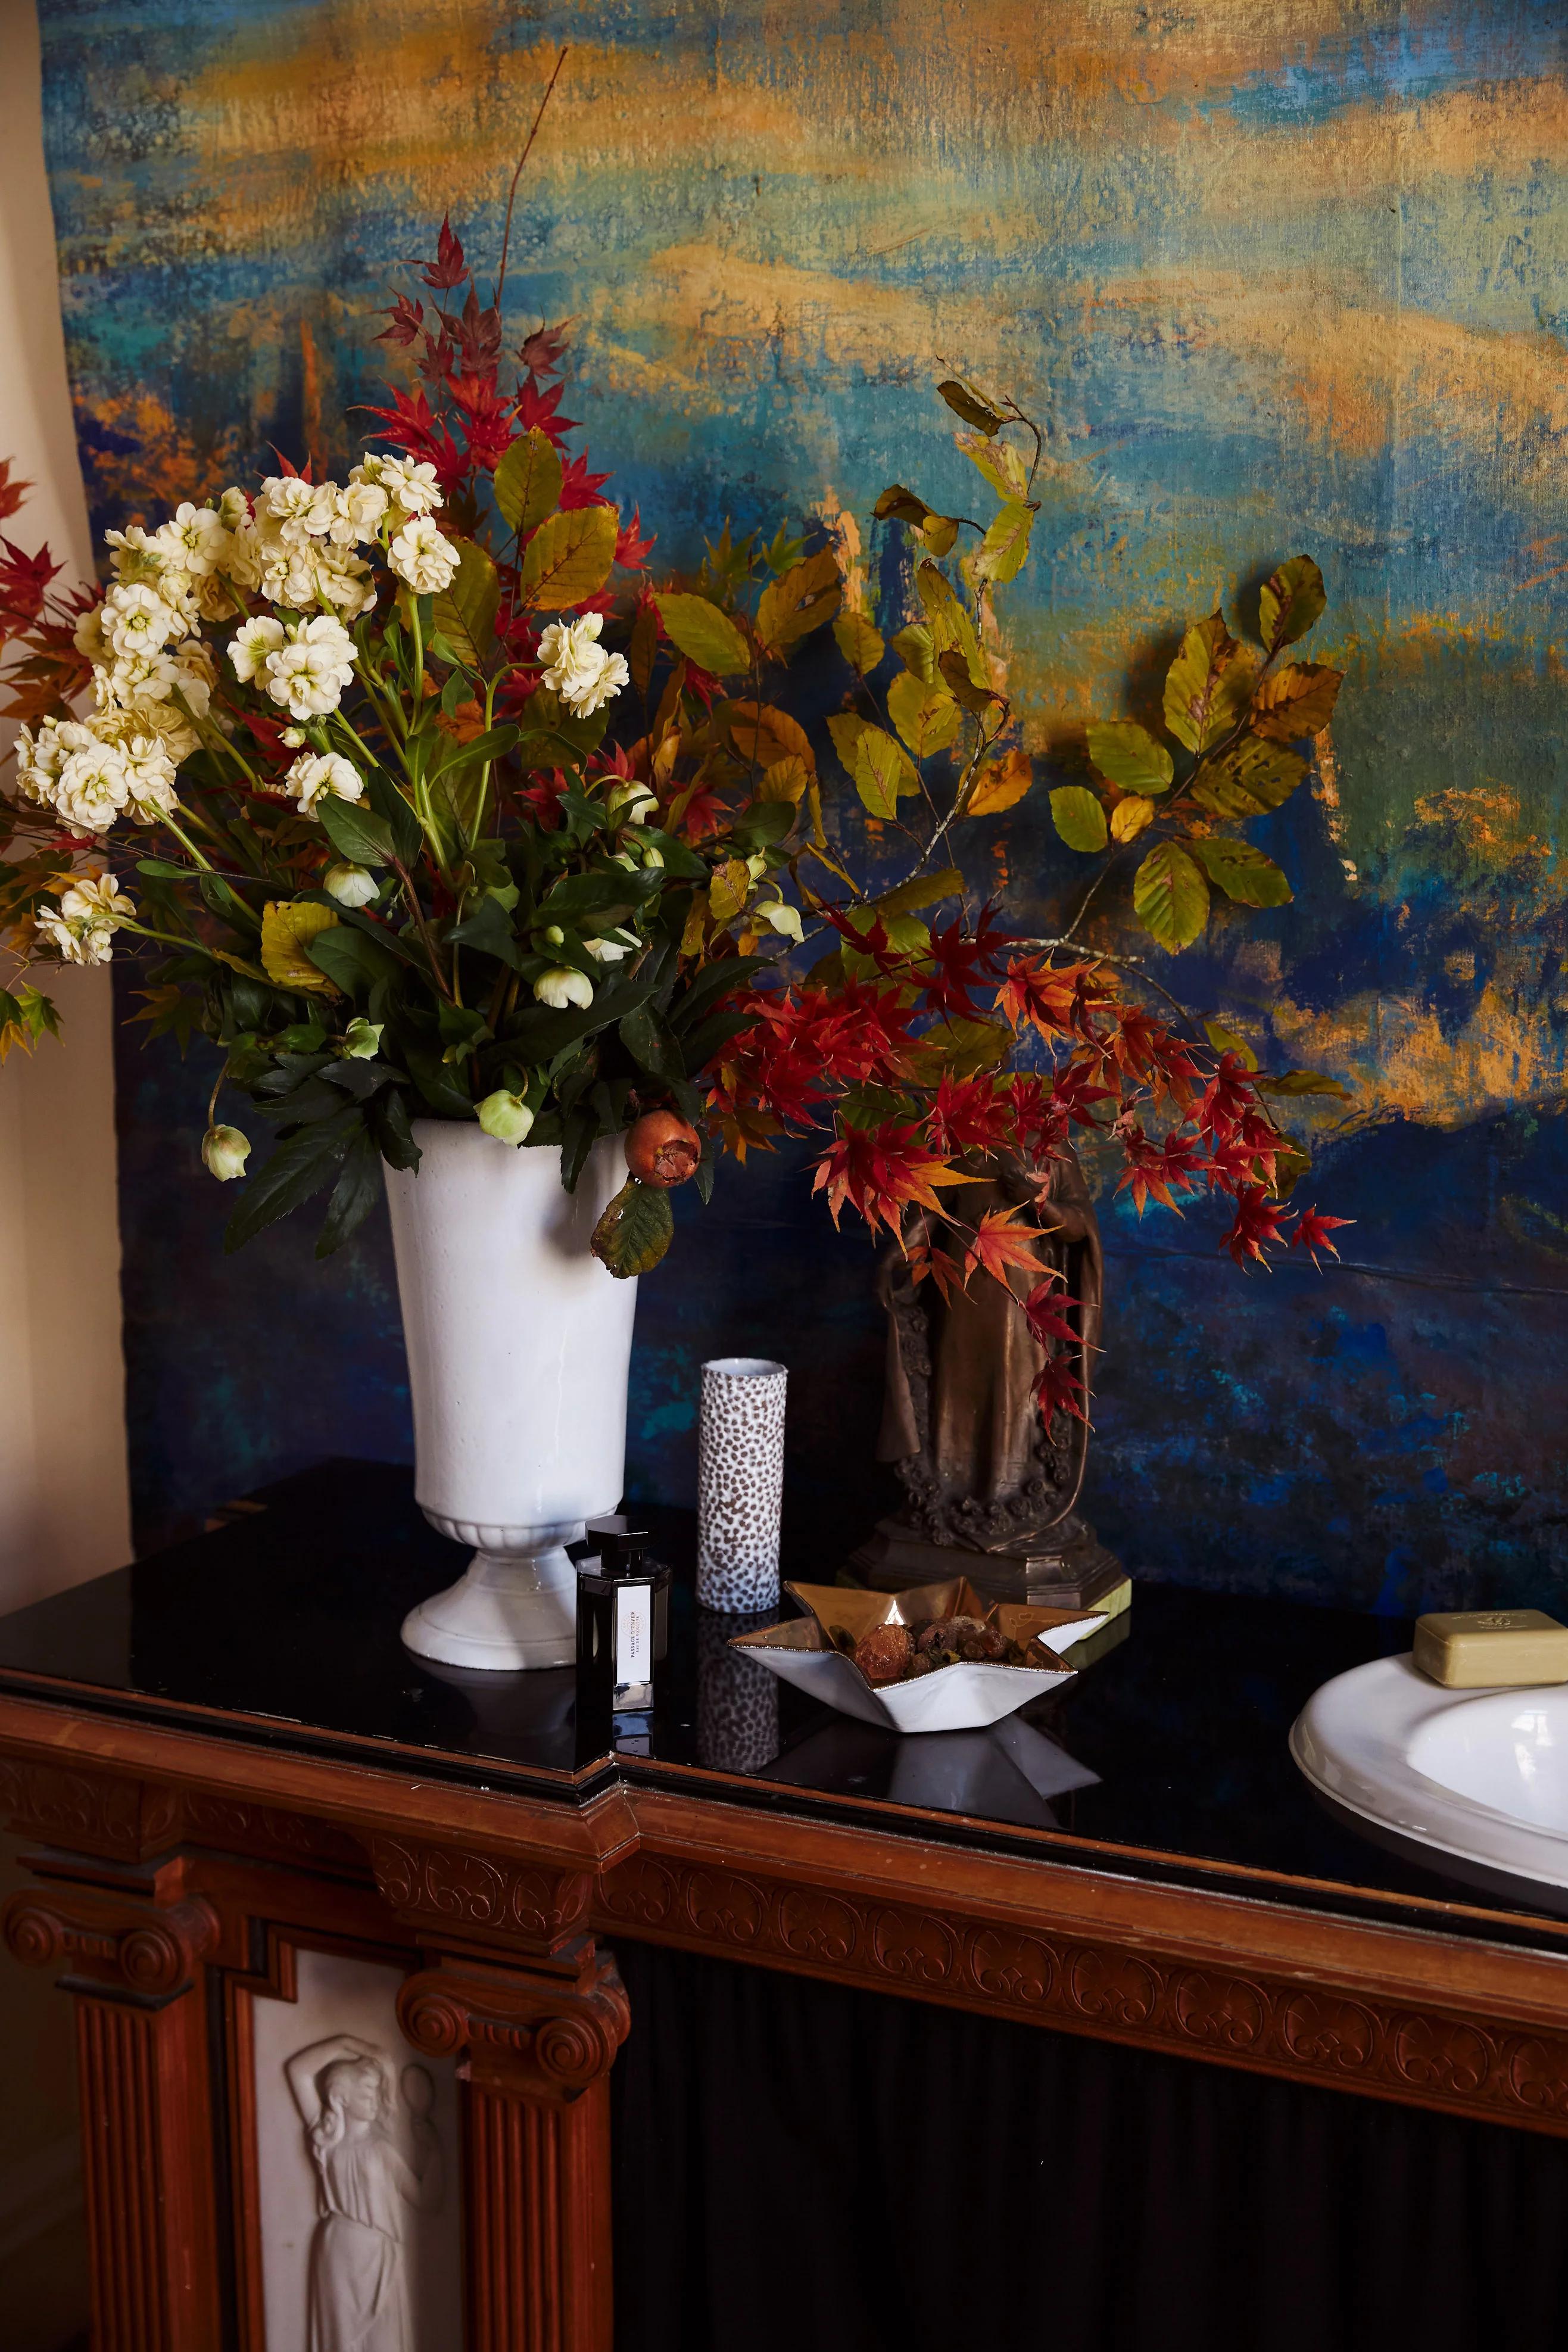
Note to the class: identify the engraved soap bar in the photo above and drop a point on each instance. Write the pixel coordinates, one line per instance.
(1486, 1649)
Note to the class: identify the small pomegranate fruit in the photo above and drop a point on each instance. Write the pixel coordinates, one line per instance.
(662, 1149)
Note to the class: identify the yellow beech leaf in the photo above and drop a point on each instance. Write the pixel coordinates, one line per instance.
(786, 780)
(858, 641)
(1130, 816)
(1297, 700)
(1000, 785)
(790, 607)
(729, 890)
(760, 732)
(286, 927)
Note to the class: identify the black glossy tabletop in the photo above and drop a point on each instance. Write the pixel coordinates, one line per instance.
(1166, 1757)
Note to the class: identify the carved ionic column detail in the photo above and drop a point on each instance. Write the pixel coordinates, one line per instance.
(534, 2053)
(135, 1968)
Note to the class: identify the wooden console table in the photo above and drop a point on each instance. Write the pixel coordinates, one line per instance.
(225, 1762)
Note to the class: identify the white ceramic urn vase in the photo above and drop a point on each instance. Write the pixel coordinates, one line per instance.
(519, 1342)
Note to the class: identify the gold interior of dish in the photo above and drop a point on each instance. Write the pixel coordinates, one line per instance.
(858, 1611)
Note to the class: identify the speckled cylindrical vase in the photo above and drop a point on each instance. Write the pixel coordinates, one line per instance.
(737, 1701)
(741, 1482)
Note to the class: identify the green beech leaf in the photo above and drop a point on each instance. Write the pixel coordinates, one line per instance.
(528, 480)
(1242, 872)
(805, 598)
(926, 717)
(917, 651)
(569, 557)
(972, 406)
(1226, 1041)
(1297, 700)
(879, 764)
(1209, 685)
(1170, 895)
(1079, 817)
(636, 1230)
(860, 643)
(1304, 1082)
(465, 612)
(1293, 599)
(1251, 778)
(1130, 756)
(1006, 544)
(704, 635)
(1001, 465)
(921, 890)
(952, 630)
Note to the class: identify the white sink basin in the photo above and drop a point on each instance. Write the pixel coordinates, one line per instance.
(1472, 1783)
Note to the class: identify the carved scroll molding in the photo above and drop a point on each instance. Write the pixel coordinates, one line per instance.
(451, 1896)
(110, 1944)
(87, 1810)
(542, 2038)
(1425, 2056)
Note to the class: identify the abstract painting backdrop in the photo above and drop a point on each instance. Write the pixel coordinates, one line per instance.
(1279, 279)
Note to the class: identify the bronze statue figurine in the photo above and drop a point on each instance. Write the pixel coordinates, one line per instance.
(991, 1493)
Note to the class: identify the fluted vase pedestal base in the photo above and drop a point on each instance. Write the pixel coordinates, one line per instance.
(507, 1612)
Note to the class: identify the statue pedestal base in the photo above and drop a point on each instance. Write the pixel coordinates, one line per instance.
(1065, 1569)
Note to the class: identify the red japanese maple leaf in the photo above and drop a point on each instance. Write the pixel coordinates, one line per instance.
(448, 268)
(632, 550)
(404, 318)
(1001, 1246)
(962, 959)
(543, 795)
(1313, 1230)
(541, 410)
(1074, 1090)
(579, 488)
(1258, 1224)
(1048, 1310)
(412, 425)
(24, 582)
(478, 335)
(1060, 1389)
(968, 1115)
(1228, 1094)
(541, 351)
(880, 1172)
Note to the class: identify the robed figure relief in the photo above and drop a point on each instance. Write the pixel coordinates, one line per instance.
(990, 1491)
(367, 2190)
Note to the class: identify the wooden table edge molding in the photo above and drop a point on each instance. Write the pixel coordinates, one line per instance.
(175, 1863)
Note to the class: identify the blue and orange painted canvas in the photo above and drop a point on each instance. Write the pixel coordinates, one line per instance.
(1279, 279)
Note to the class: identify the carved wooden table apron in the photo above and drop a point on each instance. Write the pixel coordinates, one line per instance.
(180, 1875)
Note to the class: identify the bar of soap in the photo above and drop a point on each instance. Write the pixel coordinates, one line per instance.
(1488, 1649)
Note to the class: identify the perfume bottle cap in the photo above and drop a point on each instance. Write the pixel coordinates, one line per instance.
(623, 1543)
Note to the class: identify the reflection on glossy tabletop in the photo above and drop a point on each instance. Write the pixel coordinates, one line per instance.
(1168, 1754)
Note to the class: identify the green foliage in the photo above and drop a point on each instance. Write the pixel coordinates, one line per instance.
(568, 558)
(636, 1230)
(528, 481)
(1079, 817)
(1242, 872)
(1130, 756)
(704, 635)
(1293, 599)
(1171, 896)
(465, 612)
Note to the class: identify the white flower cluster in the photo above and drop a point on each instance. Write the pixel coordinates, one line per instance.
(81, 928)
(576, 665)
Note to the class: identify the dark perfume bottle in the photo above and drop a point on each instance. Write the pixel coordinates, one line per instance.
(623, 1622)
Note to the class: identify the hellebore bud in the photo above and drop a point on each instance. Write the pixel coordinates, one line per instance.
(225, 1150)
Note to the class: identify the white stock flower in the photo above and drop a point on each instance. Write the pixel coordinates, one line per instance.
(316, 775)
(420, 555)
(357, 513)
(196, 540)
(351, 886)
(343, 579)
(136, 620)
(149, 778)
(92, 787)
(413, 489)
(288, 501)
(563, 987)
(195, 674)
(576, 665)
(81, 929)
(251, 644)
(88, 638)
(308, 673)
(38, 761)
(233, 509)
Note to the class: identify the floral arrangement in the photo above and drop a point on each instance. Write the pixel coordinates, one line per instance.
(421, 799)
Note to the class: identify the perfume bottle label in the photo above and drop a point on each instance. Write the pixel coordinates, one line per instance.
(633, 1636)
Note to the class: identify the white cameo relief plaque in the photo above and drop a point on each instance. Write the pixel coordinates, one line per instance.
(356, 2157)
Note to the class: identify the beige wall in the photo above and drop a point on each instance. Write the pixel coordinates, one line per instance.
(63, 1503)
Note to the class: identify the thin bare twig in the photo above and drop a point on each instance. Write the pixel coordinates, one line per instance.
(516, 175)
